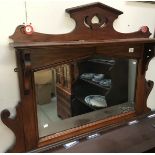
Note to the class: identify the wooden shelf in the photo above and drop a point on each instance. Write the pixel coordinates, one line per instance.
(81, 43)
(95, 84)
(81, 99)
(102, 61)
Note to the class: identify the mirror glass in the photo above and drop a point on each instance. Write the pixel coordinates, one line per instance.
(73, 94)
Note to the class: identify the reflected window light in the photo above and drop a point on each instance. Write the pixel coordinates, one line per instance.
(70, 144)
(93, 136)
(133, 122)
(151, 116)
(45, 125)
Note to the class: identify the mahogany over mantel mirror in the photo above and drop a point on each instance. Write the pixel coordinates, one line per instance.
(75, 84)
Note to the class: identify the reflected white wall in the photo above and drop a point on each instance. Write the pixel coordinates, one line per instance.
(132, 80)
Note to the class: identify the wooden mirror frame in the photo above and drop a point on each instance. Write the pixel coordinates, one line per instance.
(38, 51)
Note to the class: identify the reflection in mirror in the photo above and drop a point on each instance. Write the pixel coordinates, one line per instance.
(83, 91)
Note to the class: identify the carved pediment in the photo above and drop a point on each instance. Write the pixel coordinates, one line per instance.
(83, 15)
(93, 22)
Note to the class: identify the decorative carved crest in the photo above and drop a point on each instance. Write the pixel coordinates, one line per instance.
(87, 28)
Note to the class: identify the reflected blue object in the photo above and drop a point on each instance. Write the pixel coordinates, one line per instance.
(105, 82)
(96, 100)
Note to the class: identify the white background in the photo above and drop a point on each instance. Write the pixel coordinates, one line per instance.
(48, 16)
